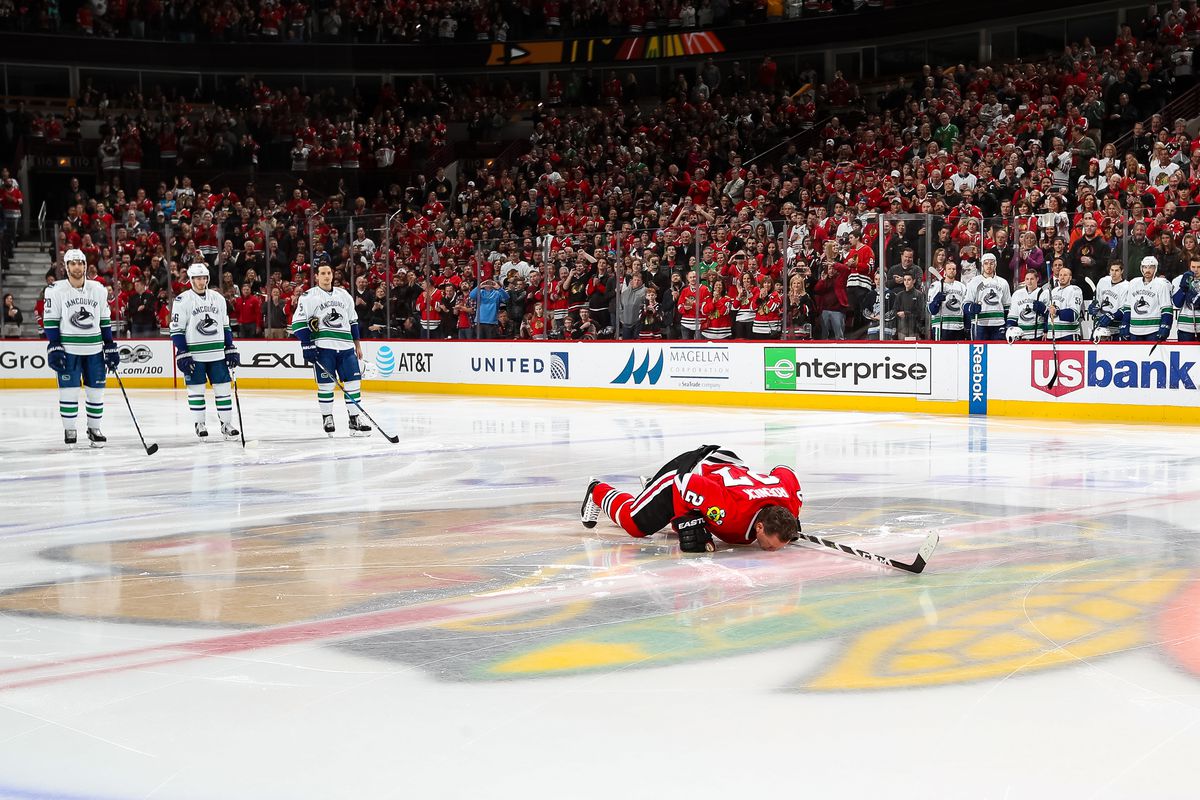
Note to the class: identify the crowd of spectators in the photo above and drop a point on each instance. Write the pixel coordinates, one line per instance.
(397, 22)
(622, 220)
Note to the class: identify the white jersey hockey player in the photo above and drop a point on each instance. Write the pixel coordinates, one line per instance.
(947, 296)
(1106, 309)
(1066, 308)
(204, 350)
(326, 324)
(988, 297)
(1186, 298)
(1029, 310)
(81, 348)
(1147, 310)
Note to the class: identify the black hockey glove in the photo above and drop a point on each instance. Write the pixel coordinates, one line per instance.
(693, 533)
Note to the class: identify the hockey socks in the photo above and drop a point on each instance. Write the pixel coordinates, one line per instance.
(325, 398)
(617, 506)
(224, 397)
(68, 406)
(94, 397)
(196, 401)
(352, 395)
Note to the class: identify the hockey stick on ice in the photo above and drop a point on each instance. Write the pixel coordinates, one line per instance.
(237, 401)
(151, 448)
(918, 564)
(392, 439)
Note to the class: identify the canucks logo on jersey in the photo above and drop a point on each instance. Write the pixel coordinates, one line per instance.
(207, 326)
(1028, 314)
(991, 296)
(82, 318)
(333, 319)
(953, 304)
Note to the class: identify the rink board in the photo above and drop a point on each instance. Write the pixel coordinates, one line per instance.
(1125, 382)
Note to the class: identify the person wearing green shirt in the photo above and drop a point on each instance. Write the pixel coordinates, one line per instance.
(947, 132)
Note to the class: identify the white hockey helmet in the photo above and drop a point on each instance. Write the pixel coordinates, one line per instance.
(1150, 261)
(988, 257)
(197, 271)
(74, 254)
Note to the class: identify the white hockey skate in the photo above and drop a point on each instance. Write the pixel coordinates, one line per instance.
(589, 512)
(229, 432)
(202, 431)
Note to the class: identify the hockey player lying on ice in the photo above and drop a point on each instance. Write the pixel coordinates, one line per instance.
(704, 493)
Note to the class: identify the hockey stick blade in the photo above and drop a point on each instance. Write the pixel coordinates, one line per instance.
(916, 567)
(152, 448)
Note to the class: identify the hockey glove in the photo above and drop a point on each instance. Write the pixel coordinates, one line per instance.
(1105, 320)
(1039, 307)
(1186, 280)
(56, 358)
(1093, 309)
(693, 533)
(186, 364)
(112, 356)
(972, 310)
(232, 359)
(935, 305)
(1164, 325)
(310, 353)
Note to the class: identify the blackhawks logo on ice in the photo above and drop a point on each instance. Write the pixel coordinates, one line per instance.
(715, 515)
(399, 579)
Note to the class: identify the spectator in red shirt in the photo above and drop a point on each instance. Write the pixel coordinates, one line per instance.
(247, 308)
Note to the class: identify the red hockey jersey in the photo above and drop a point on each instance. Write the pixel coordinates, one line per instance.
(730, 497)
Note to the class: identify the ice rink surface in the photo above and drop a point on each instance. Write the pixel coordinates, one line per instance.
(345, 618)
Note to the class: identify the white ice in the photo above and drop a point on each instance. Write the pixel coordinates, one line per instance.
(346, 618)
